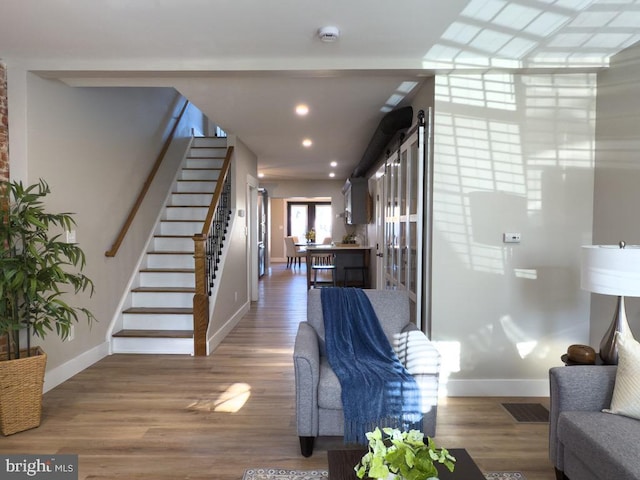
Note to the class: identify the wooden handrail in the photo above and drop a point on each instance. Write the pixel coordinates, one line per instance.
(125, 227)
(201, 296)
(217, 192)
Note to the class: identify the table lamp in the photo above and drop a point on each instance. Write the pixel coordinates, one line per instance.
(612, 270)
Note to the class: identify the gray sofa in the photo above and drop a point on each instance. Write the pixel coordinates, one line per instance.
(584, 442)
(318, 393)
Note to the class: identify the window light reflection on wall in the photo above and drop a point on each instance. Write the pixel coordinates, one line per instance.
(557, 33)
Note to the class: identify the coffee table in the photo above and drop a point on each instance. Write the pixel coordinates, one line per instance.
(341, 463)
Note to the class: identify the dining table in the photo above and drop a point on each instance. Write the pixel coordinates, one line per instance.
(344, 254)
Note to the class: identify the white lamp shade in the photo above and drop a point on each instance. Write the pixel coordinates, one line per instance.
(611, 270)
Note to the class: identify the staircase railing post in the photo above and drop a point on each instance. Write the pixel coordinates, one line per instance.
(201, 297)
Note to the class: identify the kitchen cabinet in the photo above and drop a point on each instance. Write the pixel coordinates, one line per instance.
(357, 201)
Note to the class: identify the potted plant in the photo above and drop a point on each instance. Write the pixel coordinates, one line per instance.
(310, 236)
(403, 455)
(37, 270)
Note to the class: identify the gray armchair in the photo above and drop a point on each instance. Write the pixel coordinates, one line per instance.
(318, 393)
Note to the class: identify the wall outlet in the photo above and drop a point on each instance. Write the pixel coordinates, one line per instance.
(71, 236)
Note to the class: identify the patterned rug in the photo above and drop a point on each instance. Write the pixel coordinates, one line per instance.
(283, 474)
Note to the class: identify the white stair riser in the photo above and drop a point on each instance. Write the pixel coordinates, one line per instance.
(186, 213)
(144, 321)
(199, 174)
(167, 279)
(191, 199)
(173, 244)
(207, 151)
(162, 299)
(180, 228)
(213, 142)
(170, 261)
(208, 186)
(151, 346)
(206, 162)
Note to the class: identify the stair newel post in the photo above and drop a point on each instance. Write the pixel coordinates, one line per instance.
(201, 297)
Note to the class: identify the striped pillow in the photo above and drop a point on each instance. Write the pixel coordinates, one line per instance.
(626, 392)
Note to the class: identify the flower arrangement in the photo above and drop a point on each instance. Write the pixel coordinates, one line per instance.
(310, 235)
(405, 455)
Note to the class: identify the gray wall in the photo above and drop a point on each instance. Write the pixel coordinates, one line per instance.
(233, 294)
(95, 147)
(617, 175)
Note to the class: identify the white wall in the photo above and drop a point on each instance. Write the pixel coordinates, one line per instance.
(95, 147)
(617, 175)
(513, 153)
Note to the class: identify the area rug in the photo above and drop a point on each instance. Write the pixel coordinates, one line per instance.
(283, 474)
(505, 476)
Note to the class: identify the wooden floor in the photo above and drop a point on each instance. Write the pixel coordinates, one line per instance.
(161, 417)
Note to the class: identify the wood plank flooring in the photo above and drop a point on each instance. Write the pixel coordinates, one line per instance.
(162, 417)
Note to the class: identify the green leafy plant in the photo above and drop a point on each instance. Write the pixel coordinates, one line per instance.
(35, 267)
(404, 454)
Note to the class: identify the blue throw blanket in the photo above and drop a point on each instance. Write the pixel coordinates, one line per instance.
(376, 389)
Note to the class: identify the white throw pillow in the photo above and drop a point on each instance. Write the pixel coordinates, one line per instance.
(626, 392)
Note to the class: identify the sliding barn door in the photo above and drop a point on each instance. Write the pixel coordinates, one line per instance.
(406, 208)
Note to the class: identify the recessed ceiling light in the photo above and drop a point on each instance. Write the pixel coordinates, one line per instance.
(261, 175)
(332, 174)
(302, 109)
(307, 142)
(334, 164)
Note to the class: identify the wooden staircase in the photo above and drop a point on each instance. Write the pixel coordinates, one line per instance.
(159, 319)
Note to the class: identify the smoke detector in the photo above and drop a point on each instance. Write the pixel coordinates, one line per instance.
(328, 34)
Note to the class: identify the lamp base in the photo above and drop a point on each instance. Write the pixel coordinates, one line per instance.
(609, 344)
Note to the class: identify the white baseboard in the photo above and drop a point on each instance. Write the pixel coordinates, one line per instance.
(495, 388)
(220, 335)
(64, 372)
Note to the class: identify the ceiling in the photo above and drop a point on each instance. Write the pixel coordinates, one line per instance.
(246, 64)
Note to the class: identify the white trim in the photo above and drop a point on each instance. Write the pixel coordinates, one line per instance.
(222, 332)
(495, 388)
(64, 372)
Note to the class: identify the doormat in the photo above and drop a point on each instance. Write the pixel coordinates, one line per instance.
(282, 474)
(527, 412)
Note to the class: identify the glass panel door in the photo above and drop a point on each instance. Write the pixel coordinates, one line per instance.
(391, 223)
(403, 239)
(298, 216)
(323, 223)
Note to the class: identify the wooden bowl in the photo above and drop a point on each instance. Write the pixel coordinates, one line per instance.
(581, 354)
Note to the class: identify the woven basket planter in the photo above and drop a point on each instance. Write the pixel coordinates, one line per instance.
(21, 383)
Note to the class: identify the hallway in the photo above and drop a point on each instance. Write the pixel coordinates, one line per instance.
(169, 417)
